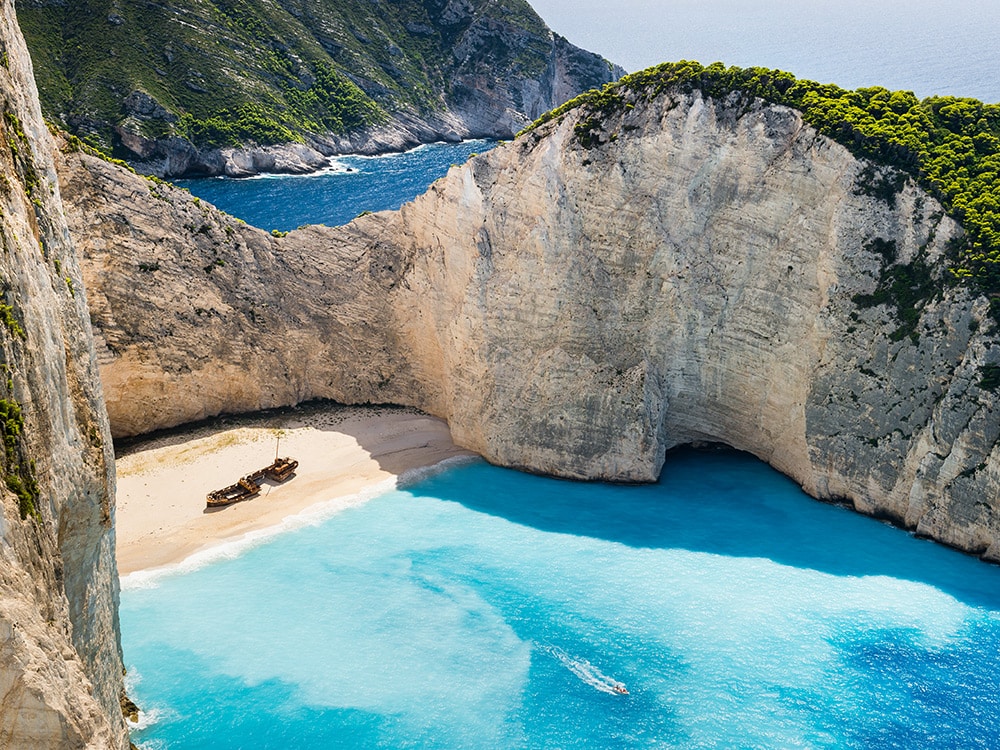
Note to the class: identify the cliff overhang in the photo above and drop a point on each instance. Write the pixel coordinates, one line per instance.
(624, 278)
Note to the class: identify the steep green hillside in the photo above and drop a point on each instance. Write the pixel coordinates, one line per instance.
(231, 72)
(950, 145)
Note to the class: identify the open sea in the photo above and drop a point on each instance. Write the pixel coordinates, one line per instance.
(928, 47)
(485, 608)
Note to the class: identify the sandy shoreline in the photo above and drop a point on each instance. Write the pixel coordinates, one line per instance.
(161, 517)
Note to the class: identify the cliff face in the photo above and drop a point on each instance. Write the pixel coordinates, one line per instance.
(60, 667)
(579, 301)
(215, 87)
(698, 273)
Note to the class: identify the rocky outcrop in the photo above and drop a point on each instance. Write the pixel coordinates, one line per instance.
(60, 665)
(176, 157)
(165, 84)
(196, 313)
(484, 100)
(579, 301)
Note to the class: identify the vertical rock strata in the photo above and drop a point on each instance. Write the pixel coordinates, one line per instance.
(579, 301)
(60, 666)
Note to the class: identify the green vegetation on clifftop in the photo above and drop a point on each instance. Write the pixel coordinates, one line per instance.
(235, 72)
(949, 145)
(226, 71)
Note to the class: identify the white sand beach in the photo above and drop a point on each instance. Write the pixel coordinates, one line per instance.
(162, 482)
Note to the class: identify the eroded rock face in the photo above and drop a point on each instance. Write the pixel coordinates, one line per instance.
(60, 662)
(685, 272)
(438, 70)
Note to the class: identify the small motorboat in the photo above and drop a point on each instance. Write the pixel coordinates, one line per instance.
(619, 688)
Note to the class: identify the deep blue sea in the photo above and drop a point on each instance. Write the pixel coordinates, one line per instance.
(335, 195)
(485, 608)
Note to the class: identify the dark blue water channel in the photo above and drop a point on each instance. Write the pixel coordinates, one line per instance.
(335, 195)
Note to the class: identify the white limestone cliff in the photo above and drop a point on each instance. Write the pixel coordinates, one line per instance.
(60, 662)
(687, 272)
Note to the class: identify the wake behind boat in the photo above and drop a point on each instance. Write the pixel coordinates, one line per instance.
(587, 672)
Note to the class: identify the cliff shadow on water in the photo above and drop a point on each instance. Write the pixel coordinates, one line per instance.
(720, 502)
(715, 500)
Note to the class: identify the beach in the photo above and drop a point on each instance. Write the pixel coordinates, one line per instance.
(343, 453)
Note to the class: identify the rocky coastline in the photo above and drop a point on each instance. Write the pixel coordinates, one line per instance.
(170, 158)
(165, 98)
(690, 274)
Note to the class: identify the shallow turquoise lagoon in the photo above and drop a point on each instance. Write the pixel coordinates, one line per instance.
(485, 608)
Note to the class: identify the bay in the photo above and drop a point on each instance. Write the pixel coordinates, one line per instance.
(490, 609)
(487, 608)
(337, 194)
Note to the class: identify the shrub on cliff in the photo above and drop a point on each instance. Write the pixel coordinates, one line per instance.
(950, 145)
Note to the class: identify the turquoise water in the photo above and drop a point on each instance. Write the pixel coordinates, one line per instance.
(336, 195)
(483, 608)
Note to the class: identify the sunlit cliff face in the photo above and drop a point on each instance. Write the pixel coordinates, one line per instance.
(690, 272)
(60, 667)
